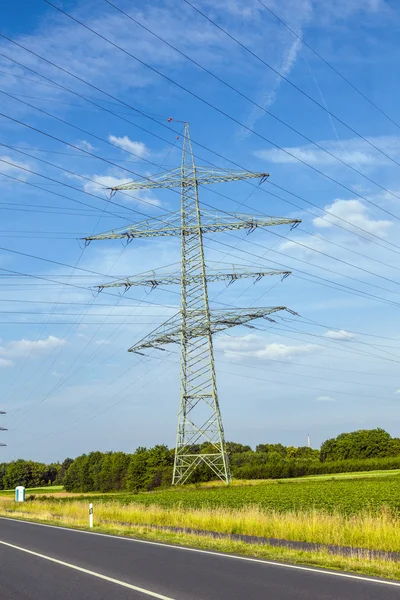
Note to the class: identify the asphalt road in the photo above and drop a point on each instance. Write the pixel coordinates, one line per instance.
(49, 563)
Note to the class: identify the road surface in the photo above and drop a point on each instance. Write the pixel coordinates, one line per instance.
(50, 563)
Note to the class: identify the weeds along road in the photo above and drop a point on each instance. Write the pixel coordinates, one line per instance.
(49, 563)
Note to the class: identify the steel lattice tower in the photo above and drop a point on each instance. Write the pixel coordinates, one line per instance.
(199, 417)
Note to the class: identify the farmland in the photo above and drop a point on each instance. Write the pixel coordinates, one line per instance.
(347, 496)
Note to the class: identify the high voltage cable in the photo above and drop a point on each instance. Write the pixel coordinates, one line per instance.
(332, 341)
(53, 101)
(311, 322)
(66, 376)
(345, 349)
(220, 361)
(303, 366)
(230, 117)
(129, 386)
(94, 415)
(80, 287)
(283, 237)
(277, 73)
(87, 152)
(353, 226)
(80, 155)
(93, 181)
(14, 300)
(324, 239)
(344, 343)
(345, 287)
(153, 119)
(285, 373)
(255, 103)
(175, 131)
(306, 262)
(72, 330)
(57, 87)
(65, 379)
(243, 251)
(302, 40)
(147, 216)
(103, 275)
(293, 241)
(55, 304)
(96, 208)
(319, 252)
(271, 360)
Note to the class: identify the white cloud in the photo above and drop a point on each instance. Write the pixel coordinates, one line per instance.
(284, 351)
(253, 346)
(101, 183)
(20, 347)
(85, 145)
(397, 391)
(353, 151)
(4, 363)
(138, 148)
(340, 334)
(356, 213)
(10, 169)
(326, 399)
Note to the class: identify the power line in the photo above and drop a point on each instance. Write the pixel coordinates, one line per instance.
(303, 366)
(268, 112)
(230, 117)
(147, 115)
(68, 374)
(345, 349)
(279, 75)
(323, 254)
(349, 289)
(300, 260)
(82, 191)
(302, 40)
(97, 137)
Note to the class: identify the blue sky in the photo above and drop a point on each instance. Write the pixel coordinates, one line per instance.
(68, 384)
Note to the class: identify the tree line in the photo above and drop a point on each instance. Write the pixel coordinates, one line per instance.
(151, 468)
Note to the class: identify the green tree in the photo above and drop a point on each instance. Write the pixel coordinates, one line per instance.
(364, 443)
(62, 471)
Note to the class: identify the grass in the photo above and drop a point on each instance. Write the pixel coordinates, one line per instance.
(366, 530)
(38, 490)
(130, 520)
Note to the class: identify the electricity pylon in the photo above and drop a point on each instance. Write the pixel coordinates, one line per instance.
(2, 428)
(199, 417)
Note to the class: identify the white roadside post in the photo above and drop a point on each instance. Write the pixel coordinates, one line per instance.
(90, 515)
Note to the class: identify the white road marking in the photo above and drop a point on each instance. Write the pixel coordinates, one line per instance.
(213, 553)
(92, 573)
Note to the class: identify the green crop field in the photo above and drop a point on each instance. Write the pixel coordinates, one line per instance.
(39, 490)
(347, 496)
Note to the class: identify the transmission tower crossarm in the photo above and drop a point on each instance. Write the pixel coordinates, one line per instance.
(171, 331)
(154, 280)
(173, 179)
(155, 228)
